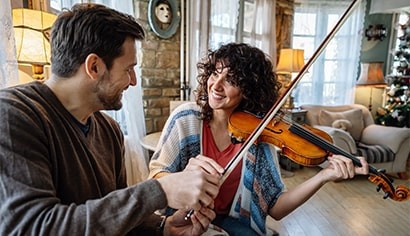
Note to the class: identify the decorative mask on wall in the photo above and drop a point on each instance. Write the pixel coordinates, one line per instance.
(164, 17)
(163, 13)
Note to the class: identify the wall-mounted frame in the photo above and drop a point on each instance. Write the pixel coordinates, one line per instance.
(163, 17)
(376, 32)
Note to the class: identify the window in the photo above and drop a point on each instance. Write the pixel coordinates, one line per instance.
(223, 22)
(252, 24)
(58, 5)
(235, 20)
(331, 78)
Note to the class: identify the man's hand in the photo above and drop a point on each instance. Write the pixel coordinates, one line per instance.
(197, 225)
(190, 189)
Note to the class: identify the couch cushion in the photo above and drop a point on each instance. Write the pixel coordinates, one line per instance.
(355, 116)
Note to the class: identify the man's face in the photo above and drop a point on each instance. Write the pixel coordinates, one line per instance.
(115, 81)
(163, 13)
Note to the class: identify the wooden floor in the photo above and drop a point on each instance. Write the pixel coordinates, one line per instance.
(352, 207)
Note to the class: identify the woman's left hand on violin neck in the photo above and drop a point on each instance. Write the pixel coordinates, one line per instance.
(341, 167)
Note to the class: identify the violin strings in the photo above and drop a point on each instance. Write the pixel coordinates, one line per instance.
(299, 130)
(323, 143)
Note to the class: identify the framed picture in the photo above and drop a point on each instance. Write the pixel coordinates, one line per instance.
(163, 17)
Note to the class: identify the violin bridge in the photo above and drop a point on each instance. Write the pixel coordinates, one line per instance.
(274, 121)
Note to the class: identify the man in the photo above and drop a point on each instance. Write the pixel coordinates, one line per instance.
(61, 160)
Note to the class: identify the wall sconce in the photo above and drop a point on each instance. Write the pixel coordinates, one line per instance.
(32, 35)
(376, 32)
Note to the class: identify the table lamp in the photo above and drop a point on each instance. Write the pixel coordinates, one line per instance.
(290, 61)
(371, 75)
(32, 29)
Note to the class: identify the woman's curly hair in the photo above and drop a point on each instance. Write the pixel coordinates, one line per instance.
(249, 68)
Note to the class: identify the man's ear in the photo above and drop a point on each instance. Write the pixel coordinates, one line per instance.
(94, 65)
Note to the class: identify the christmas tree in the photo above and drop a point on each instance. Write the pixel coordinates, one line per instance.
(396, 111)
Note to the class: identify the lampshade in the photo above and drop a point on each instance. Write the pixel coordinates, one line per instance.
(32, 35)
(290, 60)
(371, 75)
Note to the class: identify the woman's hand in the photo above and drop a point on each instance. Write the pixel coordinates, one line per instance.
(341, 167)
(206, 164)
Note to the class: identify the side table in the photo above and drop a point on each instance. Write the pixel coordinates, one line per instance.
(150, 141)
(298, 116)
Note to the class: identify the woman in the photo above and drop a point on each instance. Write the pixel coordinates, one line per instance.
(196, 136)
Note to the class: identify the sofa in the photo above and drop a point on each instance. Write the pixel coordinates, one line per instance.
(352, 129)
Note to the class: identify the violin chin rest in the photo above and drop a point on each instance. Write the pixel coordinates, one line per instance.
(236, 140)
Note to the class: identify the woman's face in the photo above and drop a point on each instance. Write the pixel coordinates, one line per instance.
(222, 94)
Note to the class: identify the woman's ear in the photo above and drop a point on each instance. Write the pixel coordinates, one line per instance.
(93, 66)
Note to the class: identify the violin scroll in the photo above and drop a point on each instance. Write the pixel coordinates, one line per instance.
(401, 193)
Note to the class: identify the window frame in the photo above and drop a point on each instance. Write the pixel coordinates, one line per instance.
(324, 79)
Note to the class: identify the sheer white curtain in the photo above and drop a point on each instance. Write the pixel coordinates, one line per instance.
(259, 28)
(331, 80)
(8, 62)
(198, 32)
(223, 22)
(213, 22)
(136, 157)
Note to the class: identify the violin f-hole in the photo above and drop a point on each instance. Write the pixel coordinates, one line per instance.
(280, 131)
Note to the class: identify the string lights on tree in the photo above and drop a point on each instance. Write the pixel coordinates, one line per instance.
(396, 111)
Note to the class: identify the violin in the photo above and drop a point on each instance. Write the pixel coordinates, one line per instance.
(300, 150)
(306, 146)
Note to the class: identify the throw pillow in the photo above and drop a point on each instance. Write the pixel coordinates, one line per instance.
(342, 124)
(355, 116)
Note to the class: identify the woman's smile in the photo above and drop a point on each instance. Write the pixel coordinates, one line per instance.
(216, 95)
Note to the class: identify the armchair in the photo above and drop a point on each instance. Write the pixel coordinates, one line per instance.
(352, 128)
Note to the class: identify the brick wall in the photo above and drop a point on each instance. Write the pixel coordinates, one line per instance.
(160, 82)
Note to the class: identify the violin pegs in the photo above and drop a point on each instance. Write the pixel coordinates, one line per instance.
(379, 187)
(386, 195)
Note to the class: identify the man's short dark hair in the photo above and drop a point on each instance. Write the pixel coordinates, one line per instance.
(89, 28)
